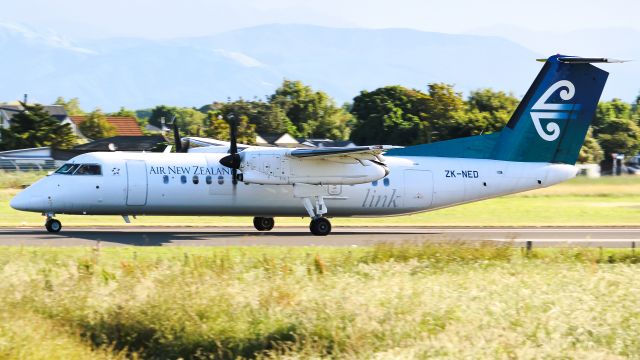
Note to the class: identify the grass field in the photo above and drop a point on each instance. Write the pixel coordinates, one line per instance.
(581, 201)
(383, 302)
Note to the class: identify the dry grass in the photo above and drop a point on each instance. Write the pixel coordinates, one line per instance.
(386, 302)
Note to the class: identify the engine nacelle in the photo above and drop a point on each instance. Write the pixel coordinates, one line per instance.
(278, 169)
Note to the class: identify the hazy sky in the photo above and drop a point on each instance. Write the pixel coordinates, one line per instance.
(79, 19)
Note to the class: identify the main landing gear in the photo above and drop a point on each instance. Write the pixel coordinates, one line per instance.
(319, 225)
(52, 225)
(263, 223)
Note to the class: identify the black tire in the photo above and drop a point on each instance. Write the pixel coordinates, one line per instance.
(53, 225)
(320, 226)
(263, 223)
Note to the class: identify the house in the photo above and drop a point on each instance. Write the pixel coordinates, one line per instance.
(280, 140)
(7, 111)
(125, 125)
(326, 143)
(286, 140)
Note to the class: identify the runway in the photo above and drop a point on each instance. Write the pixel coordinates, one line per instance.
(609, 237)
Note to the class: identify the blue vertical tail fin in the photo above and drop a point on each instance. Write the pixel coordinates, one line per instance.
(552, 120)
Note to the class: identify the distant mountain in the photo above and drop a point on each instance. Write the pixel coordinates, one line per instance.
(252, 62)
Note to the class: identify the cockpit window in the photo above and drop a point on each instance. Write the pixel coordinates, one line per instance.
(67, 169)
(89, 169)
(80, 169)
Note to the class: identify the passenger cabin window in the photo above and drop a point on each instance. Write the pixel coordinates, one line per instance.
(67, 169)
(208, 179)
(195, 180)
(183, 179)
(165, 179)
(89, 169)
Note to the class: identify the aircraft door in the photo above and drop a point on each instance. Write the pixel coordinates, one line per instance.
(418, 188)
(136, 182)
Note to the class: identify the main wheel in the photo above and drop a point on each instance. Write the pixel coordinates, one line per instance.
(263, 223)
(320, 226)
(53, 225)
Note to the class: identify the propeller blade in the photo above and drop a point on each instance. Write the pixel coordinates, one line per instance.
(233, 149)
(176, 136)
(233, 130)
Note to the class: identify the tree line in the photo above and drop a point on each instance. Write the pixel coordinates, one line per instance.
(388, 115)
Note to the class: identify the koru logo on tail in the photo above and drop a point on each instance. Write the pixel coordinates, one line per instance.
(554, 111)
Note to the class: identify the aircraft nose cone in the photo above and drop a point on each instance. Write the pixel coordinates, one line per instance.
(27, 203)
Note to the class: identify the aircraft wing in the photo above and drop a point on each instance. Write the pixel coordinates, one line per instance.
(206, 141)
(208, 145)
(372, 152)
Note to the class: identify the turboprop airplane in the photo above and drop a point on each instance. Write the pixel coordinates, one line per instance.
(537, 148)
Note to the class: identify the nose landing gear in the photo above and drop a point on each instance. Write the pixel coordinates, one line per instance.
(52, 225)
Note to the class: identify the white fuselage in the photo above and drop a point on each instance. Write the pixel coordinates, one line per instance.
(196, 184)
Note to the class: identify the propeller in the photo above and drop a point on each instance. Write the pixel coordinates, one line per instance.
(232, 160)
(180, 147)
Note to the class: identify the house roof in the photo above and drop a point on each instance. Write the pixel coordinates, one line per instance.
(276, 139)
(326, 142)
(125, 125)
(57, 111)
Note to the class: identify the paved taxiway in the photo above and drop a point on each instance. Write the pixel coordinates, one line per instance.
(299, 236)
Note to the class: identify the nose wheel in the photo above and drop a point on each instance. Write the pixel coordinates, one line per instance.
(53, 225)
(263, 223)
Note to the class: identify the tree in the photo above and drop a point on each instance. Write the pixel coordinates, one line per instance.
(267, 118)
(216, 127)
(591, 152)
(246, 131)
(445, 112)
(124, 113)
(96, 126)
(606, 110)
(161, 115)
(313, 113)
(35, 127)
(488, 111)
(219, 129)
(389, 115)
(72, 107)
(619, 136)
(497, 103)
(635, 110)
(189, 120)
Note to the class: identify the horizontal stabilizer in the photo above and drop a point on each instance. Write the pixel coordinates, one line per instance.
(584, 60)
